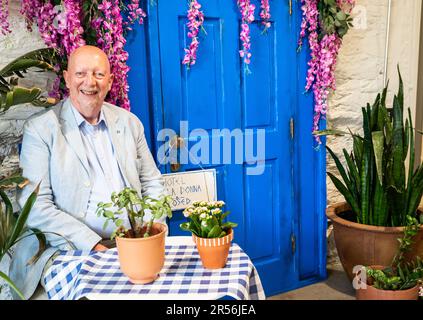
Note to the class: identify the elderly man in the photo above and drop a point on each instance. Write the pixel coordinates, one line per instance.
(81, 150)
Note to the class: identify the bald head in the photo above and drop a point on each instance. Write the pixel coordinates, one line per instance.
(88, 51)
(88, 79)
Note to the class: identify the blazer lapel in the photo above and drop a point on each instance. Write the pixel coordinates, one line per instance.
(71, 132)
(116, 130)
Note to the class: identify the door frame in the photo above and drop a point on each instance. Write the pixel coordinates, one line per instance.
(153, 120)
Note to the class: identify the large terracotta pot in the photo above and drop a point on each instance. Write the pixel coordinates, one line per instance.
(360, 244)
(214, 252)
(371, 293)
(141, 259)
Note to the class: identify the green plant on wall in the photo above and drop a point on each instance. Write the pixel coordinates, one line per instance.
(11, 93)
(374, 180)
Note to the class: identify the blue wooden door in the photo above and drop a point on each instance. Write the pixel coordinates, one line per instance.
(280, 211)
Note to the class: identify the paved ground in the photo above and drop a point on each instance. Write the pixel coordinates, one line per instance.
(336, 287)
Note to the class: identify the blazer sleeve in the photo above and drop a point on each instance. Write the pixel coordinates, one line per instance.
(150, 177)
(45, 216)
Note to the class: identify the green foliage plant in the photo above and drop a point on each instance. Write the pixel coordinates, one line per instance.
(400, 275)
(13, 94)
(333, 18)
(206, 219)
(374, 180)
(129, 202)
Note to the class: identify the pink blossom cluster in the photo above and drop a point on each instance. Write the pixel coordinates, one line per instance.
(195, 23)
(70, 26)
(247, 14)
(135, 14)
(29, 9)
(112, 41)
(325, 76)
(323, 54)
(45, 20)
(4, 15)
(265, 14)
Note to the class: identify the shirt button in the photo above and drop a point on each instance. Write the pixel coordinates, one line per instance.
(87, 183)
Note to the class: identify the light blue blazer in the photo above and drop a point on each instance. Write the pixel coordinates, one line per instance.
(52, 152)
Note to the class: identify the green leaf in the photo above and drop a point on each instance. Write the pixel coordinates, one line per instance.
(378, 141)
(42, 245)
(341, 15)
(329, 132)
(345, 192)
(12, 285)
(20, 223)
(340, 168)
(214, 232)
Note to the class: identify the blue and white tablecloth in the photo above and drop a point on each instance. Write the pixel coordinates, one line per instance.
(96, 275)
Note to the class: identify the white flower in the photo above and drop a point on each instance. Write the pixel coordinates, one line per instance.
(203, 215)
(216, 211)
(204, 223)
(187, 212)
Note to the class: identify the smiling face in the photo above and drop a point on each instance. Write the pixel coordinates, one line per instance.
(88, 79)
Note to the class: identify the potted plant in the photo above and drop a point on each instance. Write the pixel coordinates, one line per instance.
(141, 247)
(211, 235)
(379, 193)
(399, 281)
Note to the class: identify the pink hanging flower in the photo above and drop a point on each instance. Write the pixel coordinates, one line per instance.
(247, 14)
(324, 50)
(4, 15)
(29, 9)
(135, 13)
(195, 23)
(70, 26)
(265, 14)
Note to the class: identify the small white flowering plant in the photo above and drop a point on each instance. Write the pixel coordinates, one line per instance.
(206, 219)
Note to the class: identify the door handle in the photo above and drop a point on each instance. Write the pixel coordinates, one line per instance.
(176, 142)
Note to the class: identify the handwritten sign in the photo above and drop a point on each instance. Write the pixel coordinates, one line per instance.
(187, 187)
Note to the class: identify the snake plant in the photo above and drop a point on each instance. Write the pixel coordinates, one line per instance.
(374, 179)
(11, 93)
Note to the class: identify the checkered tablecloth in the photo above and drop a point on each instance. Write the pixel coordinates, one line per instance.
(96, 275)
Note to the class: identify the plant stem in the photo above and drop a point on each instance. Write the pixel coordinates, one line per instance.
(131, 219)
(149, 225)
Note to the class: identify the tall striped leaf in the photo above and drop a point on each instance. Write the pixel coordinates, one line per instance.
(346, 193)
(378, 140)
(398, 169)
(365, 168)
(340, 168)
(20, 223)
(410, 136)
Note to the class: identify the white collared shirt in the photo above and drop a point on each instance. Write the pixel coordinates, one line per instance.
(105, 173)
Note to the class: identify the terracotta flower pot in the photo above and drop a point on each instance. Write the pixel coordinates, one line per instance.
(371, 293)
(141, 259)
(360, 244)
(214, 252)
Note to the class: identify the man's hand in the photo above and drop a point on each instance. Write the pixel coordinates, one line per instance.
(100, 247)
